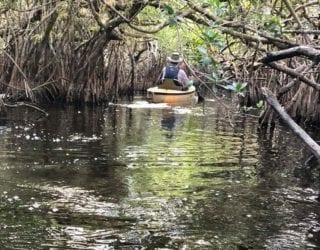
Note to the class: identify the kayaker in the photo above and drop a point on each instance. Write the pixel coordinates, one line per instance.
(176, 70)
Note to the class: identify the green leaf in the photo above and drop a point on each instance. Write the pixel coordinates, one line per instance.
(210, 35)
(240, 86)
(274, 25)
(228, 87)
(259, 104)
(168, 9)
(237, 87)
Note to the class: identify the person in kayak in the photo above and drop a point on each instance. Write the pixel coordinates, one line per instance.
(175, 70)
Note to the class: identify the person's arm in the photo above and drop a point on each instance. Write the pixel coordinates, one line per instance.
(183, 78)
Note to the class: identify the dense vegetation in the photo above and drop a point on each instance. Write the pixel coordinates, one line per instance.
(94, 50)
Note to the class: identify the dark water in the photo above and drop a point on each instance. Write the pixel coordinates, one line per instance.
(139, 176)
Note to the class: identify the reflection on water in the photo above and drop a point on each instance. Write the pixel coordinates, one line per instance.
(146, 176)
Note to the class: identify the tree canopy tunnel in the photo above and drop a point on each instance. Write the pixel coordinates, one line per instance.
(74, 51)
(94, 50)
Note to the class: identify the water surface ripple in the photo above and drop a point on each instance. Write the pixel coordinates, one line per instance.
(150, 176)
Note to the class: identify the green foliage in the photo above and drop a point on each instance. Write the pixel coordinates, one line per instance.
(171, 13)
(150, 13)
(166, 35)
(219, 7)
(211, 40)
(8, 3)
(173, 38)
(169, 10)
(214, 37)
(259, 105)
(237, 87)
(274, 25)
(205, 59)
(215, 78)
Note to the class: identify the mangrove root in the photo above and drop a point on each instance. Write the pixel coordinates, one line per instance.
(273, 102)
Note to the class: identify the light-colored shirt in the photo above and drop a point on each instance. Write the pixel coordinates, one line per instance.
(182, 76)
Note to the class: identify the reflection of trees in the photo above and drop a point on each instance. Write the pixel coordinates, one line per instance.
(209, 168)
(237, 215)
(206, 151)
(282, 154)
(262, 214)
(255, 215)
(69, 147)
(283, 173)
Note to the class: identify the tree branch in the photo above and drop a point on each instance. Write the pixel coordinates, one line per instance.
(294, 74)
(229, 28)
(293, 13)
(302, 31)
(307, 51)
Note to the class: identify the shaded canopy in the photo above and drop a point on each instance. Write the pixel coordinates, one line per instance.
(92, 50)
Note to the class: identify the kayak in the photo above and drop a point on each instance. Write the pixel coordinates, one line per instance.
(168, 92)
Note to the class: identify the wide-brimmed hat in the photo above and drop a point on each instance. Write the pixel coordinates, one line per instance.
(175, 58)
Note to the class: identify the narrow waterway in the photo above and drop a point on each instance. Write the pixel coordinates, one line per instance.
(151, 176)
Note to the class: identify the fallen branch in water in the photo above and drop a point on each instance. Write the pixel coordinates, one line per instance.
(20, 104)
(273, 102)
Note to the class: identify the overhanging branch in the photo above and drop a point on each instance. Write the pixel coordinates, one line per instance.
(307, 51)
